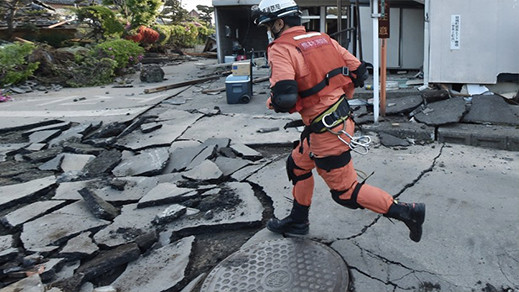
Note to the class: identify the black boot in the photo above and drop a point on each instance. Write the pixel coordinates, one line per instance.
(412, 214)
(295, 223)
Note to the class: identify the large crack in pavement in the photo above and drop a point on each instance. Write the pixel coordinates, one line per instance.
(412, 271)
(407, 186)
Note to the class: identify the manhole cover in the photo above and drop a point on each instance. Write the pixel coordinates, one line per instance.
(280, 265)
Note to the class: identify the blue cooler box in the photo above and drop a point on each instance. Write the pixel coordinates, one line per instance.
(238, 88)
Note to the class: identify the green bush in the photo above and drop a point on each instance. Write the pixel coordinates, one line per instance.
(14, 67)
(183, 36)
(91, 72)
(102, 21)
(125, 53)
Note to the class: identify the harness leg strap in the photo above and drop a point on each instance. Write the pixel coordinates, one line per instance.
(352, 201)
(291, 165)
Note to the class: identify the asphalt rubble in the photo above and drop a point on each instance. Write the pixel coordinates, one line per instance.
(155, 202)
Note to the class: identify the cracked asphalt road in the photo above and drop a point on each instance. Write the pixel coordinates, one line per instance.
(471, 235)
(470, 240)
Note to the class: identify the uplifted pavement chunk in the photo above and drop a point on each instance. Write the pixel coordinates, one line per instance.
(160, 270)
(163, 193)
(148, 162)
(55, 227)
(26, 213)
(229, 165)
(403, 104)
(205, 171)
(99, 207)
(79, 247)
(442, 112)
(164, 136)
(130, 224)
(491, 109)
(170, 214)
(247, 213)
(14, 194)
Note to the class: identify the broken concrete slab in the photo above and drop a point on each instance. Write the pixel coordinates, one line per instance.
(43, 136)
(247, 213)
(57, 126)
(67, 270)
(70, 190)
(181, 157)
(403, 105)
(8, 254)
(32, 283)
(150, 127)
(229, 165)
(80, 148)
(108, 260)
(130, 224)
(170, 214)
(148, 162)
(443, 112)
(53, 164)
(35, 146)
(44, 155)
(163, 268)
(226, 125)
(209, 152)
(14, 194)
(75, 162)
(50, 268)
(163, 193)
(135, 188)
(55, 227)
(219, 142)
(75, 133)
(389, 140)
(6, 241)
(29, 212)
(99, 207)
(205, 171)
(103, 163)
(491, 109)
(169, 132)
(416, 131)
(245, 151)
(79, 247)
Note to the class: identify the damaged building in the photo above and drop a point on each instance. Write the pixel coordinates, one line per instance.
(466, 42)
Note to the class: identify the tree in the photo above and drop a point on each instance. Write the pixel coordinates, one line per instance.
(206, 13)
(173, 10)
(9, 8)
(137, 12)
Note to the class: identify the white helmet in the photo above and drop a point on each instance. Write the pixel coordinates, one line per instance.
(269, 10)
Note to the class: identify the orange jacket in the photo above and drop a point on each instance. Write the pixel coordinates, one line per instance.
(288, 61)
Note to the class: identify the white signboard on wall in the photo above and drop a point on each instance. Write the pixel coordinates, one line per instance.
(455, 32)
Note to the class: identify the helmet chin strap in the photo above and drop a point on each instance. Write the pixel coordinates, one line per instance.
(277, 34)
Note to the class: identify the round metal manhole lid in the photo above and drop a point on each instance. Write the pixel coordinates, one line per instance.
(281, 265)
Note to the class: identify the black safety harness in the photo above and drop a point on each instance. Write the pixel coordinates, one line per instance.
(325, 82)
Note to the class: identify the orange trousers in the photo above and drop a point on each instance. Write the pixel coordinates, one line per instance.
(343, 179)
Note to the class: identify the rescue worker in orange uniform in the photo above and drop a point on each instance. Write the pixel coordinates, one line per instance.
(313, 75)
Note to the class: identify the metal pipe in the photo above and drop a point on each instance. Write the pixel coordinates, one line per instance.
(376, 101)
(426, 44)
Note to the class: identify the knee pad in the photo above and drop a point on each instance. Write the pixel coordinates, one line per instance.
(352, 201)
(291, 166)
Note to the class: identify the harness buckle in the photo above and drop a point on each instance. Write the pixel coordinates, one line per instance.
(323, 120)
(345, 71)
(327, 79)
